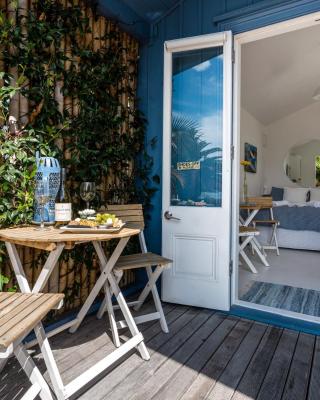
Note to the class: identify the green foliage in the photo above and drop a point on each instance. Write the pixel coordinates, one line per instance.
(3, 281)
(104, 137)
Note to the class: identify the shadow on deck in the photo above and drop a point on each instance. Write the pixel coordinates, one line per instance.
(206, 355)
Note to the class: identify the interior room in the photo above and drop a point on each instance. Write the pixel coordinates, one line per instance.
(280, 153)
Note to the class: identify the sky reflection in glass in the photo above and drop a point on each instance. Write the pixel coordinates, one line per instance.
(197, 101)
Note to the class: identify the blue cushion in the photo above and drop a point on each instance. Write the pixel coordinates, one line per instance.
(277, 193)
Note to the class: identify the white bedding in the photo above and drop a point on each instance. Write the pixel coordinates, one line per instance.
(290, 239)
(281, 203)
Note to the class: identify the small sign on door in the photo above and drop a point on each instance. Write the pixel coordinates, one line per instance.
(181, 166)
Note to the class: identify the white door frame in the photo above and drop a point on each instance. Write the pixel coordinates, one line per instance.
(193, 43)
(240, 39)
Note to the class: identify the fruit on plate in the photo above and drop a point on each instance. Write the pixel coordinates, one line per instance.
(108, 219)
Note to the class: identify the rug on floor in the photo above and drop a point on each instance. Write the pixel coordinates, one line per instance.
(305, 301)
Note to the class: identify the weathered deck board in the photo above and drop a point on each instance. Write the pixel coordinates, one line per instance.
(314, 387)
(181, 381)
(150, 330)
(116, 377)
(252, 379)
(74, 356)
(230, 378)
(146, 370)
(212, 371)
(206, 355)
(179, 358)
(275, 380)
(297, 382)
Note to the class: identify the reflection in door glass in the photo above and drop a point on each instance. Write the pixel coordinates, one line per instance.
(196, 128)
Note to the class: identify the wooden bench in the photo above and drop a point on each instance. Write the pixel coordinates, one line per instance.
(20, 313)
(132, 215)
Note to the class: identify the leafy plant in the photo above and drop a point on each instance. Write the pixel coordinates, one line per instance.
(100, 126)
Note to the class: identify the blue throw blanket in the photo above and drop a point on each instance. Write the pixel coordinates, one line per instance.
(294, 218)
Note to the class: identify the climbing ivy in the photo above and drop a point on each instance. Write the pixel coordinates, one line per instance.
(103, 138)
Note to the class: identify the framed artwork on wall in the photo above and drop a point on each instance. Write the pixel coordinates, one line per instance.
(250, 154)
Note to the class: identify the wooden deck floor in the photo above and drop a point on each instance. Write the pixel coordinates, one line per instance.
(206, 355)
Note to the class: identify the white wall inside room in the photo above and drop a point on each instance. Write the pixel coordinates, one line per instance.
(252, 132)
(279, 76)
(294, 130)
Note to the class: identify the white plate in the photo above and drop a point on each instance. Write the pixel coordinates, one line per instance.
(92, 230)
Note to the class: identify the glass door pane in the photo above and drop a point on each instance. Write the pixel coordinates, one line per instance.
(197, 128)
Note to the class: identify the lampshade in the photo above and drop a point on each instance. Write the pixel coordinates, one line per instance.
(316, 94)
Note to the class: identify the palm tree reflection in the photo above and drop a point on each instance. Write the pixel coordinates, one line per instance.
(194, 186)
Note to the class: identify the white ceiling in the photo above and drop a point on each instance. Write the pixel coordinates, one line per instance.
(280, 74)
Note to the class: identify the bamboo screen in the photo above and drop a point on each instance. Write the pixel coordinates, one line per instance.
(69, 277)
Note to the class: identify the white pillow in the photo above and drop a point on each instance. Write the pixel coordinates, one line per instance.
(295, 195)
(314, 194)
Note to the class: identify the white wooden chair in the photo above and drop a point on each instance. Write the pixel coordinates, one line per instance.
(248, 234)
(20, 313)
(266, 203)
(132, 214)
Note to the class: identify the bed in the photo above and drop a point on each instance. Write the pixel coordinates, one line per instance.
(299, 225)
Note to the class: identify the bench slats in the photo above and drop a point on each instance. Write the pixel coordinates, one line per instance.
(124, 207)
(12, 303)
(132, 214)
(7, 300)
(141, 260)
(23, 313)
(4, 297)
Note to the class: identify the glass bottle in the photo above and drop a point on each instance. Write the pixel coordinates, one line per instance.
(63, 206)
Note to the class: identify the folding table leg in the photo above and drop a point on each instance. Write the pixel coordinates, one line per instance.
(32, 372)
(48, 267)
(103, 307)
(120, 299)
(17, 267)
(45, 272)
(107, 268)
(276, 240)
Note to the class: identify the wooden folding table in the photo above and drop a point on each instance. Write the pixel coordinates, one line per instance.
(55, 241)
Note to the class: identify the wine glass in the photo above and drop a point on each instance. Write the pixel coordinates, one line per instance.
(87, 192)
(42, 195)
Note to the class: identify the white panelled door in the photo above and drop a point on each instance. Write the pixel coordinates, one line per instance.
(196, 198)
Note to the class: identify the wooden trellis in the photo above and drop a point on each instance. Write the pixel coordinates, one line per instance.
(76, 283)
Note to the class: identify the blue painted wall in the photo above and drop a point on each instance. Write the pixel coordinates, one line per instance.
(189, 18)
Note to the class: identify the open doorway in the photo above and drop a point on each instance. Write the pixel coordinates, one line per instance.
(279, 145)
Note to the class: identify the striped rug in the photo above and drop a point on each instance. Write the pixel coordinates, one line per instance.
(305, 301)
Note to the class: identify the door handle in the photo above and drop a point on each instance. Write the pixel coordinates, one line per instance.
(168, 215)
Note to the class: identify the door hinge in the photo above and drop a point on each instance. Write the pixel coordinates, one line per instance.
(232, 152)
(231, 267)
(233, 56)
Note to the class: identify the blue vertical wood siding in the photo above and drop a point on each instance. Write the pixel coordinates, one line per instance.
(190, 18)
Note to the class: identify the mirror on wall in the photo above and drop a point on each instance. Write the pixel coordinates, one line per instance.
(302, 164)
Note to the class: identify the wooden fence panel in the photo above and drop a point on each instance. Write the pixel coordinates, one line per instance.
(74, 280)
